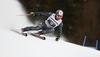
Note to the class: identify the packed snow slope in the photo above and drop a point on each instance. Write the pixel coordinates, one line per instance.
(16, 45)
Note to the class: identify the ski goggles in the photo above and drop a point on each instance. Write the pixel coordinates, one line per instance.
(59, 16)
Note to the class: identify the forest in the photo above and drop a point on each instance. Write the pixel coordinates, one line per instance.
(81, 18)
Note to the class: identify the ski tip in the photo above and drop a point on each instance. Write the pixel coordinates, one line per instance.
(44, 38)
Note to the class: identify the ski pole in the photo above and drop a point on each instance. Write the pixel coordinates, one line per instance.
(23, 15)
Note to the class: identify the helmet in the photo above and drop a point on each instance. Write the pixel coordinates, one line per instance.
(59, 12)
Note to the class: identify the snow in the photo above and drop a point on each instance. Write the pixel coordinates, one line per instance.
(15, 45)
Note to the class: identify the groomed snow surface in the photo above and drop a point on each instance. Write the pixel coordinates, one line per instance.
(16, 45)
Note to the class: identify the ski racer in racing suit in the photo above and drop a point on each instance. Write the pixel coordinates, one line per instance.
(54, 20)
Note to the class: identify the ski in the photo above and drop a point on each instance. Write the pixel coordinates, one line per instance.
(37, 36)
(21, 33)
(26, 34)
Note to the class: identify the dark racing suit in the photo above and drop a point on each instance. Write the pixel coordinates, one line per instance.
(45, 26)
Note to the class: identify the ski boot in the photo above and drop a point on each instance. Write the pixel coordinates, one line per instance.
(25, 34)
(43, 38)
(38, 33)
(23, 29)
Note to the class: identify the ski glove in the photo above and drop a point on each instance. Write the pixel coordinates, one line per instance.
(57, 38)
(32, 14)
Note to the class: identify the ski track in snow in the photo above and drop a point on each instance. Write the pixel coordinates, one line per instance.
(15, 45)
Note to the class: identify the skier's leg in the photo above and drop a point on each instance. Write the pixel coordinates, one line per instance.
(38, 27)
(46, 31)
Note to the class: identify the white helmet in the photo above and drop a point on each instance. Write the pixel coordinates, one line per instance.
(59, 12)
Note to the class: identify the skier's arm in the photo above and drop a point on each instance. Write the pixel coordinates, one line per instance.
(59, 31)
(40, 14)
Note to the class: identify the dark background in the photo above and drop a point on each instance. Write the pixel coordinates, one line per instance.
(81, 17)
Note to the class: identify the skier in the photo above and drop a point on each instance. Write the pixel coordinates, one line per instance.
(53, 20)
